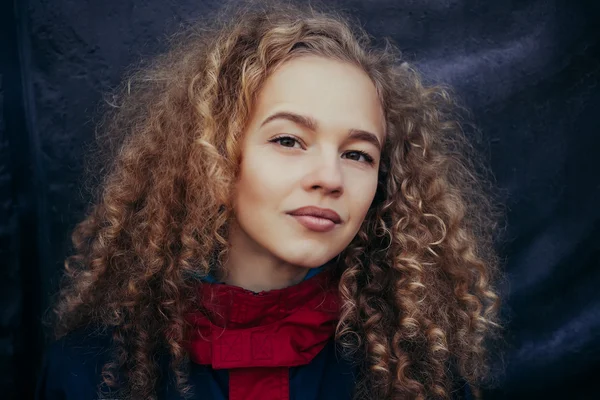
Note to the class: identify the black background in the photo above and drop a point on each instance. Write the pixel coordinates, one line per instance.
(528, 71)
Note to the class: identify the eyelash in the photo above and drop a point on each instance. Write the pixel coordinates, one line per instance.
(368, 158)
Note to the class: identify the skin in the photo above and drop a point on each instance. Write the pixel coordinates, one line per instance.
(269, 248)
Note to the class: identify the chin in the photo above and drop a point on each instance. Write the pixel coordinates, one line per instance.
(308, 259)
(305, 262)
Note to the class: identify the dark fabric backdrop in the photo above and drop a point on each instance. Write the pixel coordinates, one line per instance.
(529, 71)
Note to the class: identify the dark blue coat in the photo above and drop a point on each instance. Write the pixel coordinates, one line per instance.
(72, 366)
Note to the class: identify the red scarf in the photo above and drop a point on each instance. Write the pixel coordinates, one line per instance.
(259, 336)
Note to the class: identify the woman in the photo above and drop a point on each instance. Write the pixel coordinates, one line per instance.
(288, 212)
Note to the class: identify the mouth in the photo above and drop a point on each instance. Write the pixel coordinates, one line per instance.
(316, 219)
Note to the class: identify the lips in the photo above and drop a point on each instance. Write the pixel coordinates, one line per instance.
(317, 212)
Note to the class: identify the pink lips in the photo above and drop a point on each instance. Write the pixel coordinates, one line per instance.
(316, 219)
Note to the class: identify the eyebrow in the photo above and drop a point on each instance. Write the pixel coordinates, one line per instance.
(311, 124)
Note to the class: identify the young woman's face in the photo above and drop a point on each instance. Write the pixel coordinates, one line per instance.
(314, 139)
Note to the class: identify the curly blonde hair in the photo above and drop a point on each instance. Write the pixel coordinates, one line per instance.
(417, 283)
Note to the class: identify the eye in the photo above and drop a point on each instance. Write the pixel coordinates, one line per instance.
(286, 141)
(357, 154)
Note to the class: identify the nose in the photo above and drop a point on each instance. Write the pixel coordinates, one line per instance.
(325, 174)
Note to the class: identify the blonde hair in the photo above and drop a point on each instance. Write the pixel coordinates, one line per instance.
(416, 283)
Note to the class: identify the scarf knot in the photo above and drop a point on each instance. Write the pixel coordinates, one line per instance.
(286, 327)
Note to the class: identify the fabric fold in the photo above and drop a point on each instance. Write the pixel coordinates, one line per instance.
(259, 336)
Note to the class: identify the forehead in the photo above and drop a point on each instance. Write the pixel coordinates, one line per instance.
(335, 93)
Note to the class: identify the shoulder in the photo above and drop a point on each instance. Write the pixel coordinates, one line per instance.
(72, 366)
(81, 346)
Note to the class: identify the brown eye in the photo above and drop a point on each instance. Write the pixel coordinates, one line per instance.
(285, 141)
(356, 155)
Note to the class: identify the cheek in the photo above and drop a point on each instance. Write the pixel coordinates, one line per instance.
(361, 195)
(258, 186)
(248, 194)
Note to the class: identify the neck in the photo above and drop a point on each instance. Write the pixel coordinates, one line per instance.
(257, 271)
(260, 276)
